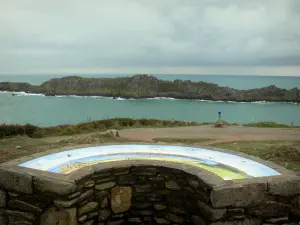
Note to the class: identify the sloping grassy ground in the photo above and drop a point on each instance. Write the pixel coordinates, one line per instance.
(284, 153)
(16, 147)
(269, 125)
(182, 140)
(11, 130)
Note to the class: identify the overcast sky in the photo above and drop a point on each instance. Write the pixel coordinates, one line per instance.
(150, 36)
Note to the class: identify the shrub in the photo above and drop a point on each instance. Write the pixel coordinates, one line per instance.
(38, 132)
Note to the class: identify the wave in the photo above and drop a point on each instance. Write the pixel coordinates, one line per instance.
(22, 93)
(161, 98)
(256, 102)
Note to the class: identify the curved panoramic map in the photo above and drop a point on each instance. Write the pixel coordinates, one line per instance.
(226, 166)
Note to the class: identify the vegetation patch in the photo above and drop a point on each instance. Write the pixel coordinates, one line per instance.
(270, 125)
(11, 130)
(182, 140)
(284, 153)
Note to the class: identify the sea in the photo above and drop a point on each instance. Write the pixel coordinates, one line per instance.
(40, 110)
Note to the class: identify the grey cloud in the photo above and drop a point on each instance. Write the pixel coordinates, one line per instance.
(55, 34)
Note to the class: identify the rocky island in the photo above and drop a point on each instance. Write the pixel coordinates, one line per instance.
(147, 86)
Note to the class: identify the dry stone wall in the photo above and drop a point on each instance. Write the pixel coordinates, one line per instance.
(145, 195)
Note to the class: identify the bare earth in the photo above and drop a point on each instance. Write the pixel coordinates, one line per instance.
(226, 134)
(23, 146)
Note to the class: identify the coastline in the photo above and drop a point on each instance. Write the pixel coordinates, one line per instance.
(22, 93)
(145, 86)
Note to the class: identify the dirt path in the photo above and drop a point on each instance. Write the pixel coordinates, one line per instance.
(23, 146)
(232, 133)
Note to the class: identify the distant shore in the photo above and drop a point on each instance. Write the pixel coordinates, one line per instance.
(22, 93)
(149, 87)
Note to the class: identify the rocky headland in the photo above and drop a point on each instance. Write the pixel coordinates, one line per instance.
(147, 86)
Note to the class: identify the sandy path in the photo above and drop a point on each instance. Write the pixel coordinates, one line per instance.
(232, 133)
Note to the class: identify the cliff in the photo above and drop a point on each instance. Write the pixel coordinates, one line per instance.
(146, 86)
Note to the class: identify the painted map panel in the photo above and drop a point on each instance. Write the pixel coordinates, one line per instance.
(226, 166)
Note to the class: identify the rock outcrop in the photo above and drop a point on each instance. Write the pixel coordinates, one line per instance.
(147, 86)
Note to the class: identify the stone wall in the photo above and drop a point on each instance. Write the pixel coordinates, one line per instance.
(144, 195)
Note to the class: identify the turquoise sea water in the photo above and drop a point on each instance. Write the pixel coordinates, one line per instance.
(45, 111)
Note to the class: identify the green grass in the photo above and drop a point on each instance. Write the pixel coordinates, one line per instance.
(269, 125)
(182, 140)
(284, 153)
(11, 130)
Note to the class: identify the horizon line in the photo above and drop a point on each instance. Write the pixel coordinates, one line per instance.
(153, 74)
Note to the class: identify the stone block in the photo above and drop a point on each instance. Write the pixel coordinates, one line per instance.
(141, 205)
(284, 185)
(196, 220)
(269, 209)
(21, 223)
(239, 222)
(174, 218)
(126, 179)
(74, 195)
(145, 171)
(80, 174)
(155, 197)
(101, 187)
(143, 188)
(210, 213)
(278, 220)
(3, 198)
(177, 210)
(92, 215)
(13, 214)
(2, 218)
(161, 220)
(172, 185)
(193, 183)
(106, 179)
(23, 206)
(121, 199)
(12, 194)
(89, 184)
(89, 207)
(243, 194)
(72, 212)
(159, 206)
(15, 180)
(69, 203)
(57, 216)
(102, 197)
(158, 178)
(236, 211)
(115, 222)
(144, 212)
(104, 214)
(135, 220)
(83, 218)
(53, 186)
(90, 222)
(121, 171)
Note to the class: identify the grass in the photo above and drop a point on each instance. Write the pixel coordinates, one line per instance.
(269, 125)
(284, 153)
(11, 130)
(15, 147)
(182, 140)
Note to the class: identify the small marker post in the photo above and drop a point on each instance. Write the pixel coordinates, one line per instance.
(219, 112)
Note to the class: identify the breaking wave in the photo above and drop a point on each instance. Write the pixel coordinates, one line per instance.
(22, 93)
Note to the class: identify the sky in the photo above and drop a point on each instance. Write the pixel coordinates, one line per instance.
(234, 37)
